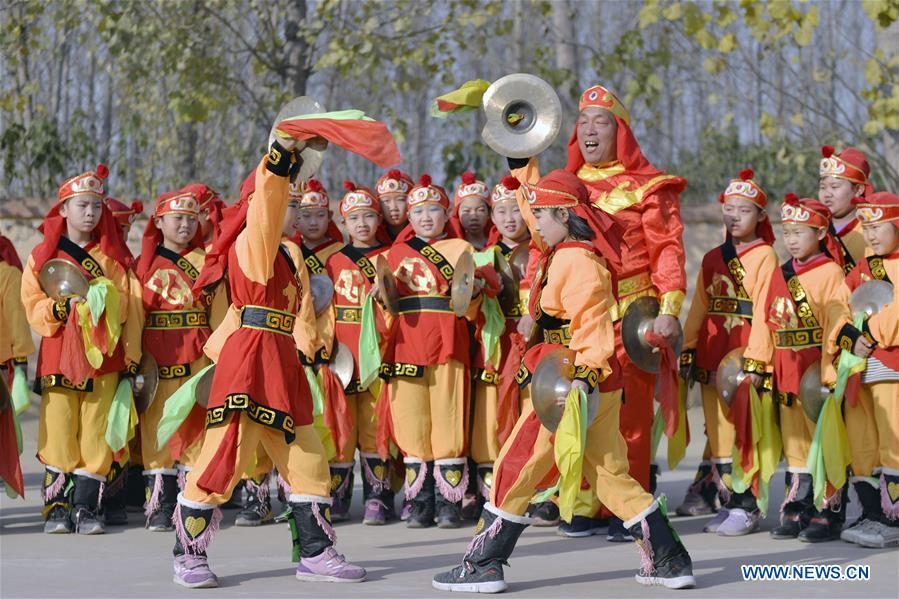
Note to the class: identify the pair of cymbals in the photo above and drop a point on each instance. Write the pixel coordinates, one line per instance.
(322, 289)
(870, 298)
(60, 279)
(388, 294)
(812, 394)
(550, 387)
(523, 115)
(146, 381)
(729, 375)
(312, 155)
(637, 322)
(462, 288)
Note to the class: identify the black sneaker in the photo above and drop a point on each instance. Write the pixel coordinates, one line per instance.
(790, 527)
(449, 516)
(676, 572)
(617, 533)
(256, 513)
(545, 513)
(58, 521)
(820, 530)
(582, 526)
(421, 516)
(86, 521)
(472, 578)
(161, 519)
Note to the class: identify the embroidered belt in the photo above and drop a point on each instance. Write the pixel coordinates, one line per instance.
(355, 386)
(351, 314)
(523, 375)
(401, 369)
(174, 371)
(258, 413)
(703, 376)
(798, 338)
(634, 284)
(561, 335)
(730, 306)
(57, 380)
(177, 319)
(424, 303)
(267, 319)
(487, 376)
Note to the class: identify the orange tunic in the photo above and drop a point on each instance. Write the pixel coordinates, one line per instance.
(39, 310)
(853, 244)
(15, 336)
(177, 323)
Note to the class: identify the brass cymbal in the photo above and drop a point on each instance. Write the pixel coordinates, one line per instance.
(730, 374)
(322, 292)
(523, 115)
(508, 295)
(342, 364)
(146, 382)
(518, 260)
(204, 387)
(61, 279)
(637, 321)
(312, 156)
(462, 289)
(871, 297)
(387, 291)
(811, 392)
(550, 386)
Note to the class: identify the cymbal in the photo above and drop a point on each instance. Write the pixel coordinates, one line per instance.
(146, 382)
(387, 291)
(342, 364)
(322, 292)
(61, 279)
(462, 288)
(204, 387)
(508, 295)
(871, 297)
(312, 157)
(637, 321)
(730, 374)
(812, 393)
(550, 386)
(523, 115)
(518, 260)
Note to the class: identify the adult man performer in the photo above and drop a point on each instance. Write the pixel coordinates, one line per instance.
(644, 203)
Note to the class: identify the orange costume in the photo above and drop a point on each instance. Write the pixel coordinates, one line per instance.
(805, 302)
(731, 288)
(851, 165)
(176, 329)
(76, 396)
(872, 413)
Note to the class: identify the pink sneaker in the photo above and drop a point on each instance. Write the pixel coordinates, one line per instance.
(192, 571)
(329, 566)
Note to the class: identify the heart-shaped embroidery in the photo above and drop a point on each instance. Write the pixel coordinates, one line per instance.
(48, 479)
(378, 471)
(411, 475)
(893, 490)
(479, 527)
(336, 481)
(488, 479)
(194, 526)
(453, 477)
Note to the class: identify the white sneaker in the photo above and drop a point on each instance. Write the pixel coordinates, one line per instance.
(878, 535)
(850, 534)
(713, 524)
(739, 522)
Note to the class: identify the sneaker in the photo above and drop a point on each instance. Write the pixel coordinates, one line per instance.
(695, 505)
(582, 526)
(789, 528)
(617, 533)
(449, 515)
(114, 514)
(329, 566)
(674, 573)
(850, 533)
(407, 510)
(58, 521)
(713, 524)
(878, 535)
(86, 522)
(376, 513)
(545, 513)
(472, 578)
(192, 571)
(256, 513)
(739, 522)
(820, 530)
(161, 519)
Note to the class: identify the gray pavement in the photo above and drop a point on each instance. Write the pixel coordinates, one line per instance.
(254, 562)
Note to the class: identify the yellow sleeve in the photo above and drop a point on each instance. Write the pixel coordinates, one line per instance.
(699, 307)
(132, 332)
(530, 173)
(15, 332)
(835, 296)
(257, 245)
(38, 307)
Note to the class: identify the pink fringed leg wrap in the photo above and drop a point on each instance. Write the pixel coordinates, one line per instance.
(153, 502)
(323, 523)
(199, 544)
(483, 489)
(792, 493)
(182, 478)
(890, 507)
(449, 492)
(412, 491)
(644, 545)
(477, 543)
(261, 489)
(283, 488)
(55, 487)
(377, 485)
(723, 491)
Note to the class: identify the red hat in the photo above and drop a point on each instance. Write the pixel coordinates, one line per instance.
(880, 207)
(311, 194)
(177, 202)
(505, 191)
(171, 202)
(125, 215)
(90, 183)
(850, 164)
(470, 187)
(358, 198)
(601, 97)
(804, 211)
(426, 193)
(204, 194)
(745, 188)
(394, 181)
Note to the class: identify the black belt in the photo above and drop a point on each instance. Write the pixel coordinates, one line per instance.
(177, 319)
(174, 371)
(417, 303)
(350, 314)
(354, 386)
(267, 319)
(490, 377)
(730, 306)
(799, 338)
(561, 335)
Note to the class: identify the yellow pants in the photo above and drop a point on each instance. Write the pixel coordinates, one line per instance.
(605, 464)
(72, 429)
(484, 442)
(719, 431)
(429, 412)
(302, 463)
(873, 428)
(365, 427)
(154, 458)
(796, 432)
